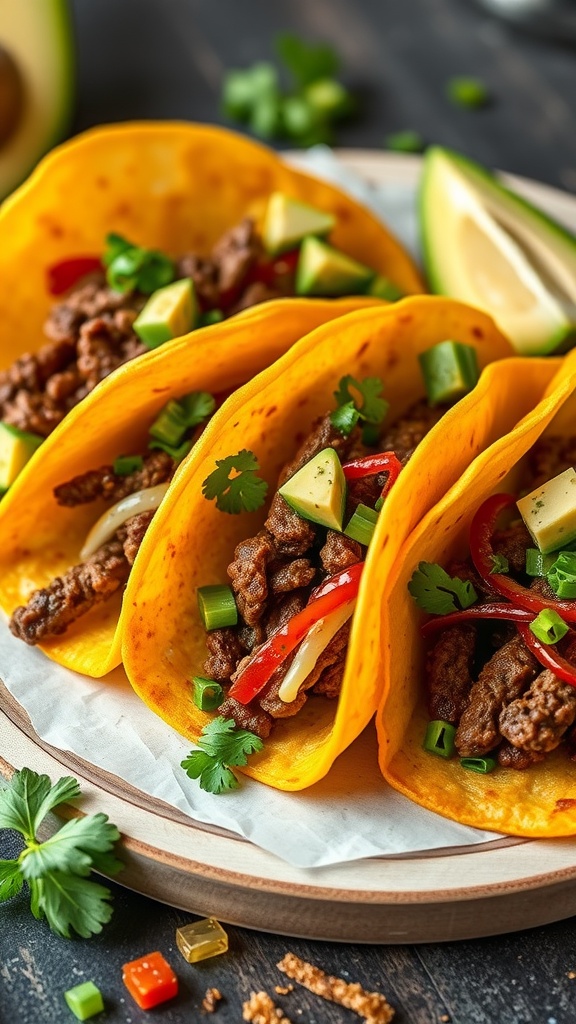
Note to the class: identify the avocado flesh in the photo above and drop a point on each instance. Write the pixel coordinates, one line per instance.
(317, 491)
(169, 313)
(485, 245)
(323, 270)
(16, 449)
(549, 512)
(288, 222)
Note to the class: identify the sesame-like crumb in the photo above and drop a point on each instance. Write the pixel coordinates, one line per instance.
(261, 1009)
(370, 1005)
(445, 1019)
(211, 999)
(283, 990)
(571, 975)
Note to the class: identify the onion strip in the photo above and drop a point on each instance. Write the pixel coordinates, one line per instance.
(113, 518)
(310, 650)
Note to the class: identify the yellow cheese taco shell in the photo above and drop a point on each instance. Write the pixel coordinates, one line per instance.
(173, 186)
(191, 543)
(540, 801)
(40, 539)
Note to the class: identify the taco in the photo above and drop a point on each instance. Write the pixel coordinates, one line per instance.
(295, 557)
(126, 438)
(477, 721)
(146, 231)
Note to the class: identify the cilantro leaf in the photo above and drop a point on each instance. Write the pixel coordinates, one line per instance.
(55, 870)
(197, 406)
(306, 61)
(235, 484)
(499, 563)
(373, 408)
(221, 745)
(436, 592)
(345, 418)
(11, 880)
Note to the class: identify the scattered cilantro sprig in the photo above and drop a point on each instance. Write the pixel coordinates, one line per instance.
(56, 870)
(129, 267)
(369, 407)
(307, 110)
(500, 564)
(438, 593)
(221, 745)
(235, 484)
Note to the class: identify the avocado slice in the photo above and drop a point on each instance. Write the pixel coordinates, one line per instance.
(549, 512)
(287, 221)
(450, 370)
(383, 288)
(169, 313)
(485, 245)
(317, 491)
(16, 448)
(323, 270)
(36, 84)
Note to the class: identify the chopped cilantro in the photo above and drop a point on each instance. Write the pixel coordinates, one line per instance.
(467, 92)
(56, 869)
(221, 745)
(372, 410)
(406, 141)
(499, 564)
(438, 593)
(235, 484)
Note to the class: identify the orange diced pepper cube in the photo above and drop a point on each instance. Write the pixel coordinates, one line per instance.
(150, 980)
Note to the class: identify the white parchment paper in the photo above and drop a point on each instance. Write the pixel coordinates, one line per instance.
(349, 815)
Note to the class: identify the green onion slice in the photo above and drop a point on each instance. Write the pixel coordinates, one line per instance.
(562, 574)
(211, 316)
(362, 524)
(548, 626)
(439, 738)
(176, 452)
(480, 765)
(217, 606)
(171, 424)
(208, 694)
(124, 465)
(538, 564)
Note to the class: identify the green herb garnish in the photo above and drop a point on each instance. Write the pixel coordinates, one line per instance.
(548, 626)
(467, 92)
(56, 869)
(235, 484)
(405, 142)
(221, 745)
(124, 465)
(208, 694)
(371, 408)
(132, 268)
(499, 564)
(438, 593)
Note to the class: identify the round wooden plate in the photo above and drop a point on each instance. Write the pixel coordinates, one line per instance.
(444, 895)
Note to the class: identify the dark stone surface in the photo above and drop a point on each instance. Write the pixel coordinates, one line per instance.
(166, 58)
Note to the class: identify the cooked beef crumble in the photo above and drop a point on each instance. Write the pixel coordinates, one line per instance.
(483, 678)
(272, 575)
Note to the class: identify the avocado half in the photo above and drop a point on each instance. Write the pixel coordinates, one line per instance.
(485, 245)
(36, 83)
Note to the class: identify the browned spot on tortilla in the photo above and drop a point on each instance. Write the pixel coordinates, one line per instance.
(303, 401)
(472, 439)
(477, 332)
(102, 182)
(122, 210)
(159, 391)
(392, 359)
(406, 318)
(52, 226)
(362, 349)
(566, 804)
(271, 410)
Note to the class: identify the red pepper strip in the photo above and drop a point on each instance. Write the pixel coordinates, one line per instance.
(481, 530)
(61, 276)
(548, 656)
(482, 611)
(335, 592)
(370, 465)
(268, 271)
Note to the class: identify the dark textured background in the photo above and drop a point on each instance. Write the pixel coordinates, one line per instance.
(165, 58)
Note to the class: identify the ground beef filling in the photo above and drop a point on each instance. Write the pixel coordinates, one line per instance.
(273, 573)
(52, 609)
(483, 679)
(90, 333)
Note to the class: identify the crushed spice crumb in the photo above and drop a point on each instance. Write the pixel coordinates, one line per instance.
(261, 1009)
(211, 999)
(445, 1019)
(370, 1005)
(571, 975)
(283, 990)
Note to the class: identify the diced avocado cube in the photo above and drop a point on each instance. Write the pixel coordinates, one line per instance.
(317, 491)
(384, 288)
(288, 221)
(549, 512)
(84, 1000)
(323, 270)
(450, 370)
(16, 449)
(169, 313)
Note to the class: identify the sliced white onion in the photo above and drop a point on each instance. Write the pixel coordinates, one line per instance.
(311, 648)
(113, 518)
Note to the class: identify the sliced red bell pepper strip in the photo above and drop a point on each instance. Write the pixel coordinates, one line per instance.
(267, 271)
(335, 591)
(482, 611)
(370, 465)
(63, 275)
(548, 656)
(481, 530)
